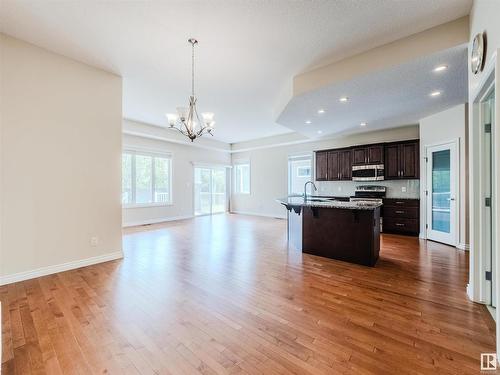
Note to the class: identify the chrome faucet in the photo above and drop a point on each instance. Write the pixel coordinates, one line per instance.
(305, 188)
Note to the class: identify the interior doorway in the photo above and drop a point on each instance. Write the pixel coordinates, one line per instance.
(442, 192)
(210, 190)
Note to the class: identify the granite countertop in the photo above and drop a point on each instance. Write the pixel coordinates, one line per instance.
(327, 203)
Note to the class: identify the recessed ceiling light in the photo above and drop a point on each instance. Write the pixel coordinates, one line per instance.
(435, 93)
(321, 111)
(440, 68)
(319, 132)
(308, 122)
(363, 124)
(344, 99)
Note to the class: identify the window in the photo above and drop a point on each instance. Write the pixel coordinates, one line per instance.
(146, 179)
(242, 177)
(299, 172)
(304, 171)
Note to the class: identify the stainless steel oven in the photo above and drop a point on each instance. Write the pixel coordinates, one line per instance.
(373, 172)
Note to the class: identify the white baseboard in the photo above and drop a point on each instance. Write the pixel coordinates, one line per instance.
(258, 214)
(44, 271)
(463, 246)
(155, 221)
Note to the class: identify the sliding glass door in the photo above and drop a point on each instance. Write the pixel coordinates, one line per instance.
(210, 190)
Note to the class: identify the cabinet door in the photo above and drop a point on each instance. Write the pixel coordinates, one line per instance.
(333, 166)
(321, 166)
(375, 154)
(409, 155)
(392, 168)
(359, 155)
(345, 165)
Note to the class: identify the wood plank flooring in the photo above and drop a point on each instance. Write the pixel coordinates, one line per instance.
(223, 295)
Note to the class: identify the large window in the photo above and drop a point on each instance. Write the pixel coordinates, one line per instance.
(242, 177)
(299, 172)
(146, 179)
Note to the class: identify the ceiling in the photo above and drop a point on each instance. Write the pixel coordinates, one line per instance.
(396, 96)
(248, 52)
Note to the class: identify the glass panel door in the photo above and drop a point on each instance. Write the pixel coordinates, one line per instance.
(209, 190)
(441, 195)
(218, 190)
(441, 191)
(202, 191)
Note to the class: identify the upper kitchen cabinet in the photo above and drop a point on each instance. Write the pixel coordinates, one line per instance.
(369, 154)
(321, 165)
(334, 165)
(402, 160)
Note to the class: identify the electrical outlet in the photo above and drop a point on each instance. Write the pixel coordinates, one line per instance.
(340, 188)
(403, 189)
(94, 241)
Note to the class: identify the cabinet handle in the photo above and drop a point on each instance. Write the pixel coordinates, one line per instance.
(399, 202)
(400, 225)
(400, 212)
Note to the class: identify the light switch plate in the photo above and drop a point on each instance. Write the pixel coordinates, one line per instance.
(403, 189)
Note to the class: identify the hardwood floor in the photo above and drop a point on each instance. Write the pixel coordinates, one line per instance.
(222, 294)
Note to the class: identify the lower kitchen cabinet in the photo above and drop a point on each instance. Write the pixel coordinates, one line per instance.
(401, 216)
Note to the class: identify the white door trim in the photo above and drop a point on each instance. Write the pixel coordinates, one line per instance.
(454, 146)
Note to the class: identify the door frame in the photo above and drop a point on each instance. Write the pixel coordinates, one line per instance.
(456, 184)
(478, 288)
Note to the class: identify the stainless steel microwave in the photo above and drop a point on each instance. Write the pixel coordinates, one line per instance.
(373, 172)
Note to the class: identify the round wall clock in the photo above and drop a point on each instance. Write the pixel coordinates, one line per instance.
(478, 52)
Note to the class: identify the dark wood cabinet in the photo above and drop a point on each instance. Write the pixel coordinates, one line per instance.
(358, 155)
(410, 166)
(321, 165)
(335, 165)
(345, 165)
(401, 216)
(376, 154)
(391, 164)
(402, 160)
(370, 154)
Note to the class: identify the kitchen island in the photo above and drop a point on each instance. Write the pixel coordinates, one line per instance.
(347, 231)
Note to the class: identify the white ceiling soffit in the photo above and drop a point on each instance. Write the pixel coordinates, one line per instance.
(248, 52)
(387, 98)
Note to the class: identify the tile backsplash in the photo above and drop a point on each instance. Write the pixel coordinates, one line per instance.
(395, 188)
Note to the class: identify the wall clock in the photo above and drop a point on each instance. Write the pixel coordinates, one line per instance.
(478, 53)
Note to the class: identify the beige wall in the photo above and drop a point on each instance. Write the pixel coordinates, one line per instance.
(183, 157)
(269, 167)
(443, 127)
(60, 155)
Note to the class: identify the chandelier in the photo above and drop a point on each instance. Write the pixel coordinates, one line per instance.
(187, 121)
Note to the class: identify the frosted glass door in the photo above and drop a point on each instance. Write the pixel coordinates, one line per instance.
(441, 198)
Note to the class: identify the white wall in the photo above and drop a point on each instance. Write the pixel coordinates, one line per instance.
(443, 127)
(60, 155)
(269, 168)
(483, 18)
(183, 156)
